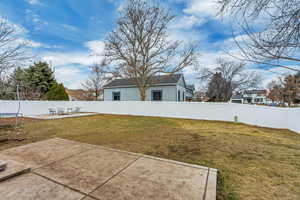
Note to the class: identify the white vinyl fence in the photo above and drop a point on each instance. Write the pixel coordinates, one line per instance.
(272, 117)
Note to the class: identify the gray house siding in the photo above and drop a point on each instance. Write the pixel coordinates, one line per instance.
(132, 93)
(127, 94)
(165, 88)
(181, 93)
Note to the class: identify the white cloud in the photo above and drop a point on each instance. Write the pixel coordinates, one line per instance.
(35, 19)
(32, 44)
(64, 73)
(186, 36)
(72, 77)
(269, 75)
(71, 67)
(34, 2)
(96, 46)
(202, 8)
(21, 35)
(66, 58)
(121, 6)
(96, 19)
(187, 22)
(196, 13)
(53, 46)
(18, 29)
(86, 58)
(69, 27)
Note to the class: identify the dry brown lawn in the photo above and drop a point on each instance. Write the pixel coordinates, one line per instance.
(253, 162)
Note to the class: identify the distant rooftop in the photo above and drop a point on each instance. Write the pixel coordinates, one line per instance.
(255, 92)
(191, 87)
(237, 97)
(80, 95)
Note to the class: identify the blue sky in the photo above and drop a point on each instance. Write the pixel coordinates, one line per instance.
(68, 33)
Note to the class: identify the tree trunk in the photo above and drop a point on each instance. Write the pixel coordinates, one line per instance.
(96, 95)
(142, 94)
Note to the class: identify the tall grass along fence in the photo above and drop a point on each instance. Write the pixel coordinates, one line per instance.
(272, 117)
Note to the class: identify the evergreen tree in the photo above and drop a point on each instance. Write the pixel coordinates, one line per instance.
(8, 86)
(40, 77)
(57, 93)
(36, 83)
(18, 77)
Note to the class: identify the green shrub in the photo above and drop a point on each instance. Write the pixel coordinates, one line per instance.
(57, 93)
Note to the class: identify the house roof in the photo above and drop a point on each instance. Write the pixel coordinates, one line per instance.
(157, 80)
(237, 97)
(191, 87)
(79, 95)
(255, 92)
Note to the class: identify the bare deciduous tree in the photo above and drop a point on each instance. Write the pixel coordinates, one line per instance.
(277, 40)
(216, 91)
(285, 90)
(139, 48)
(11, 54)
(274, 91)
(226, 78)
(96, 81)
(11, 50)
(291, 87)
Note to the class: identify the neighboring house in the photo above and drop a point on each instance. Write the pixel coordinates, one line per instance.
(190, 89)
(256, 97)
(251, 97)
(237, 99)
(200, 96)
(79, 95)
(164, 88)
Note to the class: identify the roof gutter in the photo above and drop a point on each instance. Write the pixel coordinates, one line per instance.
(133, 86)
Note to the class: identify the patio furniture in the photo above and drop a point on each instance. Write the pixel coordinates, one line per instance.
(69, 110)
(52, 111)
(60, 111)
(77, 109)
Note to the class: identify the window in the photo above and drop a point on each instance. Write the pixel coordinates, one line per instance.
(156, 95)
(183, 96)
(257, 100)
(116, 96)
(178, 95)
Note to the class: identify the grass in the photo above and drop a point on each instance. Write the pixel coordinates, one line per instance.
(253, 162)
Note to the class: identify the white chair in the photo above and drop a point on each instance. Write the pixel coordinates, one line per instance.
(60, 111)
(52, 111)
(69, 110)
(77, 109)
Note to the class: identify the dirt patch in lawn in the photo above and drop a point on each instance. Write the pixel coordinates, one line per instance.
(11, 131)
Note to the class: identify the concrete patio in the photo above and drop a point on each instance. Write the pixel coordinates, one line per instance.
(67, 170)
